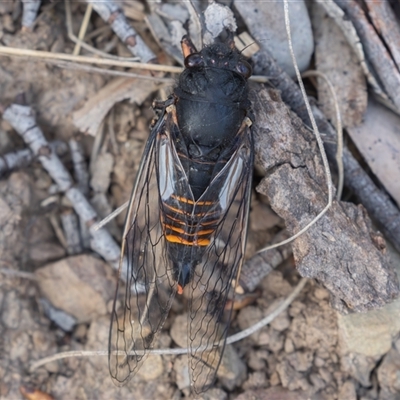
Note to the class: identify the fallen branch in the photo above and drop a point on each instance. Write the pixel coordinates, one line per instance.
(22, 158)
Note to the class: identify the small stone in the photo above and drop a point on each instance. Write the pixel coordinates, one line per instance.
(256, 379)
(264, 21)
(369, 333)
(321, 293)
(214, 394)
(359, 367)
(255, 362)
(296, 308)
(275, 341)
(232, 371)
(263, 338)
(348, 391)
(152, 368)
(301, 360)
(248, 317)
(53, 367)
(282, 321)
(325, 375)
(179, 330)
(79, 286)
(317, 382)
(286, 373)
(80, 332)
(389, 372)
(276, 285)
(288, 346)
(274, 380)
(181, 369)
(319, 362)
(11, 312)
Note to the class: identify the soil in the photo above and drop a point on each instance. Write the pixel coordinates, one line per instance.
(56, 298)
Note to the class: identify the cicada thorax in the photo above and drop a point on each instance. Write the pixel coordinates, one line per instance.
(211, 104)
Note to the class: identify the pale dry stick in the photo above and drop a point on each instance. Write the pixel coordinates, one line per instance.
(317, 136)
(109, 217)
(29, 12)
(88, 68)
(81, 173)
(15, 159)
(339, 130)
(85, 45)
(112, 14)
(13, 51)
(49, 56)
(22, 120)
(83, 29)
(97, 32)
(22, 158)
(231, 339)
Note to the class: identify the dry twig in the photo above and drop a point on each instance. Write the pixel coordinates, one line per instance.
(22, 120)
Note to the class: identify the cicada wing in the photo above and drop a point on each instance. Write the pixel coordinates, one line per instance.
(146, 289)
(218, 273)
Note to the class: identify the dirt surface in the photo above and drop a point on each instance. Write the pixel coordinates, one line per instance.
(56, 294)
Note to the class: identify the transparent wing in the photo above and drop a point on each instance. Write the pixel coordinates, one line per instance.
(217, 275)
(145, 289)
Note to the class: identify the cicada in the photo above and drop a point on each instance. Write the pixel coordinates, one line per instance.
(186, 226)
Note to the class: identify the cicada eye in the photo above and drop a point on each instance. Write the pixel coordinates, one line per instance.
(244, 69)
(194, 60)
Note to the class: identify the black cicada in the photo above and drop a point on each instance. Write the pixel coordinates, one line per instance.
(189, 239)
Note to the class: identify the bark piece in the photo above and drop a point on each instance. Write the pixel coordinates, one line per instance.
(376, 201)
(341, 250)
(335, 58)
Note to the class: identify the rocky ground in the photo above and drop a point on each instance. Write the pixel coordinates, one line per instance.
(55, 297)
